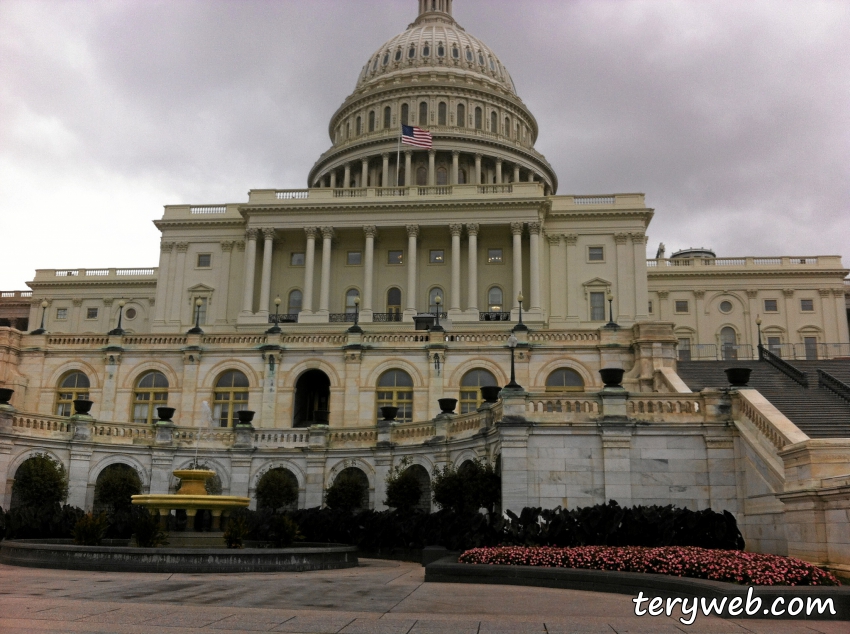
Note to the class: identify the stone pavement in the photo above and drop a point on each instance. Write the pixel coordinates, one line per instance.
(379, 597)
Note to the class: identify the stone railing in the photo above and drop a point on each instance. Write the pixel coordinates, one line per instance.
(315, 339)
(412, 433)
(35, 424)
(545, 337)
(234, 340)
(352, 437)
(122, 433)
(395, 338)
(562, 407)
(469, 424)
(154, 340)
(15, 294)
(666, 408)
(77, 340)
(748, 262)
(45, 274)
(496, 338)
(773, 425)
(281, 438)
(204, 437)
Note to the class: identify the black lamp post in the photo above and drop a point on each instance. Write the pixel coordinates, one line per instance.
(40, 330)
(520, 326)
(512, 344)
(760, 347)
(119, 330)
(356, 327)
(275, 329)
(437, 327)
(197, 329)
(611, 323)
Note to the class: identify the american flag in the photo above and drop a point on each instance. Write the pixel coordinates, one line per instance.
(411, 135)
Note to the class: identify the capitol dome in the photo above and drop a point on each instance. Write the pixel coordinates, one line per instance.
(437, 77)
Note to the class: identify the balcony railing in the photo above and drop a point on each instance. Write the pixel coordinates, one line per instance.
(711, 352)
(15, 294)
(386, 317)
(494, 316)
(789, 261)
(284, 318)
(341, 317)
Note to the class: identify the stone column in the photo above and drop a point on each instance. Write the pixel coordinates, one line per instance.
(315, 485)
(368, 273)
(432, 174)
(408, 168)
(78, 473)
(347, 182)
(557, 277)
(266, 279)
(385, 182)
(309, 260)
(498, 171)
(534, 263)
(224, 280)
(179, 284)
(788, 293)
(477, 169)
(699, 294)
(516, 230)
(662, 305)
(454, 299)
(530, 176)
(75, 315)
(750, 317)
(325, 292)
(333, 179)
(641, 289)
(573, 268)
(830, 331)
(162, 464)
(472, 247)
(364, 173)
(250, 264)
(840, 314)
(516, 173)
(163, 276)
(624, 294)
(455, 166)
(616, 459)
(514, 432)
(412, 235)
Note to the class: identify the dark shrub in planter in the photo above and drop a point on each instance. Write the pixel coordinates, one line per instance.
(490, 393)
(403, 490)
(738, 377)
(474, 486)
(612, 377)
(349, 490)
(115, 487)
(90, 529)
(39, 481)
(277, 489)
(146, 529)
(46, 521)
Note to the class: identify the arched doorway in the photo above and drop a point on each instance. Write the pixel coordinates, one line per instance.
(312, 399)
(729, 343)
(424, 481)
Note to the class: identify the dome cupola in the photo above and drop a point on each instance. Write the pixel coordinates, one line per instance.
(437, 77)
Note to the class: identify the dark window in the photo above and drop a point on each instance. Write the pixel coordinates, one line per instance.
(91, 313)
(479, 116)
(807, 305)
(441, 50)
(494, 256)
(394, 300)
(204, 260)
(469, 55)
(372, 121)
(442, 176)
(296, 259)
(470, 389)
(725, 307)
(421, 176)
(455, 52)
(770, 306)
(423, 113)
(426, 50)
(358, 127)
(295, 302)
(230, 396)
(355, 258)
(681, 305)
(461, 115)
(395, 388)
(395, 257)
(494, 126)
(437, 256)
(494, 299)
(596, 254)
(442, 113)
(61, 313)
(398, 55)
(597, 306)
(405, 109)
(388, 117)
(386, 59)
(564, 380)
(411, 52)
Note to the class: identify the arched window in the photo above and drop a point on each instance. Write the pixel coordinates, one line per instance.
(394, 301)
(397, 55)
(151, 392)
(461, 177)
(371, 121)
(74, 385)
(296, 299)
(350, 305)
(470, 389)
(455, 52)
(507, 126)
(441, 50)
(433, 294)
(347, 131)
(479, 118)
(564, 380)
(421, 176)
(729, 342)
(442, 176)
(480, 58)
(358, 127)
(442, 113)
(461, 115)
(395, 387)
(230, 396)
(494, 299)
(469, 56)
(494, 125)
(423, 113)
(386, 59)
(388, 117)
(375, 64)
(405, 112)
(411, 52)
(426, 50)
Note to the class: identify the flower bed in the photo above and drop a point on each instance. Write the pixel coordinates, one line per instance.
(717, 565)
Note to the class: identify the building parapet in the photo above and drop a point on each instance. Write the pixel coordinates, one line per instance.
(49, 275)
(683, 265)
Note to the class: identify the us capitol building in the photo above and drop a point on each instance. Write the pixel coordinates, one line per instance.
(402, 276)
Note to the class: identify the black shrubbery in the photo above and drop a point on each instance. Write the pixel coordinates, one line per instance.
(277, 489)
(90, 529)
(39, 481)
(475, 485)
(347, 492)
(44, 521)
(145, 527)
(403, 490)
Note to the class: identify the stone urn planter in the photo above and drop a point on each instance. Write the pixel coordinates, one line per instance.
(321, 416)
(490, 393)
(165, 414)
(738, 377)
(5, 395)
(447, 405)
(82, 406)
(389, 412)
(245, 416)
(612, 377)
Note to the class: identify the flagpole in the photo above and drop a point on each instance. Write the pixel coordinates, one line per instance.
(397, 159)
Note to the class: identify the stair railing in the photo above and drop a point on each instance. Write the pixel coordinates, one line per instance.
(834, 385)
(795, 374)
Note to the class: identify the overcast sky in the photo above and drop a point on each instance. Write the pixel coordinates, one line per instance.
(731, 116)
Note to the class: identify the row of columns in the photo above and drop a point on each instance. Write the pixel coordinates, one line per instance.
(370, 232)
(330, 178)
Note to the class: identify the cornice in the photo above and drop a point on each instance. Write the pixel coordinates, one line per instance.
(200, 222)
(77, 282)
(645, 212)
(778, 272)
(253, 208)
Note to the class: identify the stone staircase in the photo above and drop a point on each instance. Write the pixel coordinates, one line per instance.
(816, 411)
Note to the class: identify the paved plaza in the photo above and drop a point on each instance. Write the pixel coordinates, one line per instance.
(381, 597)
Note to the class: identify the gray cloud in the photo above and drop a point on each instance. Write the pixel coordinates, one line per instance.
(730, 116)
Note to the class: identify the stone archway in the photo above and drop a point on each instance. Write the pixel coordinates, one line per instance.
(312, 399)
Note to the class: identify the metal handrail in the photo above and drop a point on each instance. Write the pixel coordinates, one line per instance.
(783, 366)
(834, 385)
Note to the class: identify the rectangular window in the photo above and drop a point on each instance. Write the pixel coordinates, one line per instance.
(438, 256)
(810, 344)
(597, 306)
(355, 258)
(204, 260)
(91, 313)
(395, 257)
(494, 256)
(681, 305)
(596, 254)
(650, 307)
(296, 259)
(770, 306)
(774, 344)
(684, 349)
(807, 305)
(202, 311)
(61, 313)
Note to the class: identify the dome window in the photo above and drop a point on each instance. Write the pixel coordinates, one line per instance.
(375, 65)
(469, 57)
(386, 59)
(441, 50)
(411, 52)
(398, 55)
(455, 52)
(426, 50)
(492, 65)
(480, 58)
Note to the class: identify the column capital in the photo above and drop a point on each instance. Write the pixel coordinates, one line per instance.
(455, 152)
(788, 292)
(408, 153)
(638, 238)
(268, 233)
(752, 293)
(251, 233)
(534, 228)
(311, 232)
(621, 238)
(554, 239)
(77, 301)
(107, 301)
(327, 232)
(166, 247)
(571, 238)
(182, 247)
(516, 228)
(839, 292)
(364, 161)
(240, 245)
(385, 155)
(478, 156)
(824, 292)
(472, 228)
(663, 294)
(456, 229)
(371, 231)
(412, 231)
(227, 245)
(498, 161)
(699, 293)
